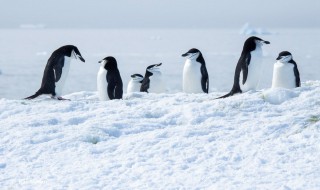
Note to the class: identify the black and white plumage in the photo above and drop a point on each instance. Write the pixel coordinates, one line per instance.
(56, 71)
(195, 74)
(109, 82)
(134, 84)
(249, 67)
(285, 72)
(153, 81)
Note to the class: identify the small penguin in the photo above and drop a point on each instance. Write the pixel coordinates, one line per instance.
(56, 71)
(285, 72)
(109, 82)
(134, 84)
(152, 81)
(249, 67)
(195, 74)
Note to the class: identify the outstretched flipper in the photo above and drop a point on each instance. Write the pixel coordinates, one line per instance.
(33, 96)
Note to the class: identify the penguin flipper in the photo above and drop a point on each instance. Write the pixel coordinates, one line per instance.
(58, 68)
(244, 68)
(297, 75)
(204, 79)
(145, 85)
(119, 88)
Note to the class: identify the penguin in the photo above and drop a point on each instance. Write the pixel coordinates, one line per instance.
(135, 83)
(285, 72)
(249, 67)
(56, 72)
(109, 82)
(152, 81)
(195, 74)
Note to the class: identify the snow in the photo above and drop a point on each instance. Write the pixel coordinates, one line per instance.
(163, 141)
(264, 139)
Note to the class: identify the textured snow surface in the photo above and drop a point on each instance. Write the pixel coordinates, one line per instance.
(267, 139)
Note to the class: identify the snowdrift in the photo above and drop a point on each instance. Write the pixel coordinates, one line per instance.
(267, 139)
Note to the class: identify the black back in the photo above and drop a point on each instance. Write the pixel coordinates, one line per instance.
(295, 68)
(146, 80)
(115, 85)
(53, 70)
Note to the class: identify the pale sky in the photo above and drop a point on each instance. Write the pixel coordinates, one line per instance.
(160, 13)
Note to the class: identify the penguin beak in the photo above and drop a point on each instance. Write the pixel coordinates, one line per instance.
(185, 54)
(278, 58)
(81, 58)
(266, 42)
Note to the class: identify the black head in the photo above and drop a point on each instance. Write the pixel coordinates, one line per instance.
(194, 54)
(70, 51)
(153, 69)
(109, 63)
(137, 77)
(284, 56)
(251, 43)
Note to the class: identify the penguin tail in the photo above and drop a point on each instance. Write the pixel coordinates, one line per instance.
(231, 93)
(33, 96)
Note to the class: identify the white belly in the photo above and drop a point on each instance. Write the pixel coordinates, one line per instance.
(102, 85)
(156, 83)
(254, 71)
(133, 86)
(63, 78)
(283, 75)
(191, 80)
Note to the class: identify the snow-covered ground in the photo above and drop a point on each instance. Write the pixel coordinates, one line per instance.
(268, 139)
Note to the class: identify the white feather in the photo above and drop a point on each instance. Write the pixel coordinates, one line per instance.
(191, 80)
(254, 71)
(283, 75)
(65, 71)
(102, 84)
(133, 86)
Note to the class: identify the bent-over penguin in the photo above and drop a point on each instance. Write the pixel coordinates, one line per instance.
(248, 70)
(152, 81)
(56, 71)
(285, 72)
(195, 75)
(109, 82)
(134, 84)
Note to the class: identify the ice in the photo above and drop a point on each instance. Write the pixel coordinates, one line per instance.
(247, 29)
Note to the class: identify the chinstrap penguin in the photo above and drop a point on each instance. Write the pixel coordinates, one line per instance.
(152, 81)
(109, 82)
(195, 74)
(134, 84)
(285, 72)
(248, 70)
(56, 71)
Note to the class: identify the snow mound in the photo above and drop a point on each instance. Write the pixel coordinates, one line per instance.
(278, 95)
(247, 29)
(163, 141)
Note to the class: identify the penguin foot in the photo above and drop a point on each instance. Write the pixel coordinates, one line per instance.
(60, 98)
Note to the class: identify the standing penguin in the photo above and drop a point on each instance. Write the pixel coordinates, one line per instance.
(134, 84)
(195, 74)
(285, 72)
(56, 71)
(152, 81)
(249, 67)
(109, 82)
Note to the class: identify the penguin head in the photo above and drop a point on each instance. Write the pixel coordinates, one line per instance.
(284, 57)
(154, 68)
(194, 54)
(109, 63)
(71, 51)
(251, 43)
(137, 78)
